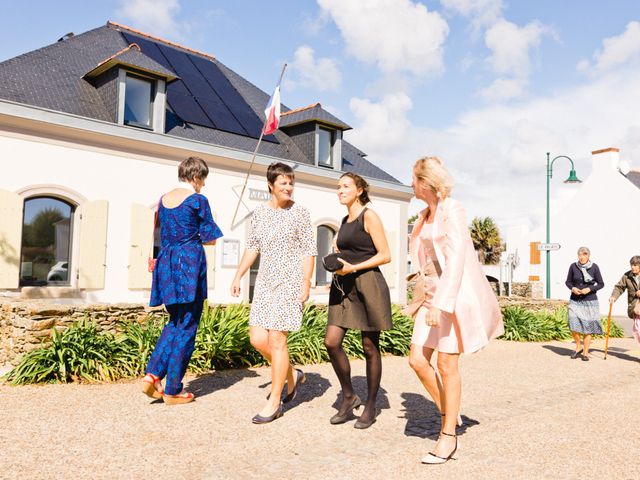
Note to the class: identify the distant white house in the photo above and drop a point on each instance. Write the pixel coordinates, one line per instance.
(603, 215)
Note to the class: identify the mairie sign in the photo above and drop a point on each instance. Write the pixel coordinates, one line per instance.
(548, 246)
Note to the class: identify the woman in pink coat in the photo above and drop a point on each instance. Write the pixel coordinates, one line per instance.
(454, 307)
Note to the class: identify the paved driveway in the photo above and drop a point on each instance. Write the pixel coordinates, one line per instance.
(529, 411)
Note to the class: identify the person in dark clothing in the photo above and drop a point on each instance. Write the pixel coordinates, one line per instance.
(584, 280)
(630, 282)
(359, 298)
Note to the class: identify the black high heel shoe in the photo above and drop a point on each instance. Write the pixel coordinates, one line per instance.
(433, 459)
(338, 419)
(259, 419)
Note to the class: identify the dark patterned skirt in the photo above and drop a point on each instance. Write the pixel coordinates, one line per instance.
(360, 301)
(584, 317)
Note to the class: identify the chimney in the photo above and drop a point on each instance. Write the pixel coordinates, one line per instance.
(606, 159)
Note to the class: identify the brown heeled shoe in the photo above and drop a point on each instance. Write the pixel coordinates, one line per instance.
(150, 385)
(179, 399)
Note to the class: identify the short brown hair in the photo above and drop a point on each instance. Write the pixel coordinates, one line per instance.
(276, 169)
(192, 168)
(635, 260)
(360, 182)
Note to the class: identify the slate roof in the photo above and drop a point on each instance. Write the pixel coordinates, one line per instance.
(132, 56)
(52, 77)
(313, 112)
(634, 177)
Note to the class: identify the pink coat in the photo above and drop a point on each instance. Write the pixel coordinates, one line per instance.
(463, 289)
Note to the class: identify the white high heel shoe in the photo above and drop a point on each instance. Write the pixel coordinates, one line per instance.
(433, 459)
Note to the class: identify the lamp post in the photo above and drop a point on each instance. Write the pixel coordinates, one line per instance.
(573, 178)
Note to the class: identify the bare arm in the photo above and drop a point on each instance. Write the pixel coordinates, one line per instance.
(248, 257)
(373, 226)
(308, 264)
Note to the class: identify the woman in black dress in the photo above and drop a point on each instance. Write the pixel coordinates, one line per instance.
(359, 297)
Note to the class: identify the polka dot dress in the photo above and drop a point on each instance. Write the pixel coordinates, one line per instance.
(283, 237)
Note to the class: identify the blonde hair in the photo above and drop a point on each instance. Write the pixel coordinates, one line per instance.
(432, 171)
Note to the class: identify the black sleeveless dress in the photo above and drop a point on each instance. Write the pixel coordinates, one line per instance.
(360, 300)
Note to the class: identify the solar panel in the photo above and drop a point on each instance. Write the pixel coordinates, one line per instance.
(202, 95)
(230, 96)
(188, 109)
(222, 118)
(148, 48)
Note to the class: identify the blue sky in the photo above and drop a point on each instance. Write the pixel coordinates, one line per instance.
(489, 85)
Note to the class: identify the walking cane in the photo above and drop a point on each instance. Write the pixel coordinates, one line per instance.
(606, 344)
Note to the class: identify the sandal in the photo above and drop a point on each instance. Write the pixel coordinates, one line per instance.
(152, 386)
(179, 399)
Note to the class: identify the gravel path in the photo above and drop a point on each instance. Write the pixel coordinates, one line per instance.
(529, 412)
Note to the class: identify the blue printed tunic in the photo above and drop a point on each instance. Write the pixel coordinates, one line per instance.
(180, 275)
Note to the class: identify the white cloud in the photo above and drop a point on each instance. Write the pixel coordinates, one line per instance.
(321, 74)
(510, 46)
(483, 12)
(393, 35)
(497, 153)
(503, 89)
(153, 16)
(382, 123)
(616, 51)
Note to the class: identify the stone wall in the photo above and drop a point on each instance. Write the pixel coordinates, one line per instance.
(534, 304)
(24, 326)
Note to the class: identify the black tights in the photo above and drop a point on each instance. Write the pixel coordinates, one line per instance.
(371, 346)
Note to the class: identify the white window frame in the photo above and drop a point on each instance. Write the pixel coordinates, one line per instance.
(335, 148)
(69, 196)
(158, 102)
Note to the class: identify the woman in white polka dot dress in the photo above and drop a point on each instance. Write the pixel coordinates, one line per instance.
(282, 235)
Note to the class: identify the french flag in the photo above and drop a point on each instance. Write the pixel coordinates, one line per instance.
(272, 112)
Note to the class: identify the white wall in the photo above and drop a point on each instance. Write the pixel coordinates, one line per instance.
(599, 217)
(98, 174)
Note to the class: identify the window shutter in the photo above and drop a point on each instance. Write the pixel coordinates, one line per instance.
(534, 253)
(11, 206)
(390, 270)
(141, 238)
(93, 244)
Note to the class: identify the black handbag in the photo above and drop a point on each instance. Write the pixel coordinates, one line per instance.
(331, 262)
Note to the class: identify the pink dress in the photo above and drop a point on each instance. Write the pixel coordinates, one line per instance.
(444, 337)
(470, 314)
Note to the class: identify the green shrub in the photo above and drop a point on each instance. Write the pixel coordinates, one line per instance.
(79, 353)
(522, 325)
(83, 353)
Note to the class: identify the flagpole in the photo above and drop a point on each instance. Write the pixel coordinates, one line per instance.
(253, 157)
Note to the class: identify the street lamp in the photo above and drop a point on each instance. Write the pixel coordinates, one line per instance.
(573, 178)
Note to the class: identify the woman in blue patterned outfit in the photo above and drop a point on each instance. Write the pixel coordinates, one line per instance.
(180, 279)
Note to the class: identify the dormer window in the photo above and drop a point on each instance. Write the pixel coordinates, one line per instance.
(133, 87)
(138, 101)
(324, 147)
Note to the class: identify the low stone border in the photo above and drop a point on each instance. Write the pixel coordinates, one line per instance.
(24, 326)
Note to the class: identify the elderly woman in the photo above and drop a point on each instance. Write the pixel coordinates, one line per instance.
(584, 280)
(359, 297)
(180, 279)
(630, 282)
(281, 233)
(454, 309)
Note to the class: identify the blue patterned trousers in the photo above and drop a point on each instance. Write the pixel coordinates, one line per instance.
(173, 351)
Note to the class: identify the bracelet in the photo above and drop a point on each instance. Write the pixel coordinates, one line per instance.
(306, 280)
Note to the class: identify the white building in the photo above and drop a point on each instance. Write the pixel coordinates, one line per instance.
(92, 129)
(602, 215)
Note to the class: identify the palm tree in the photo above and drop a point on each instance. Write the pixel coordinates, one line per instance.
(486, 240)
